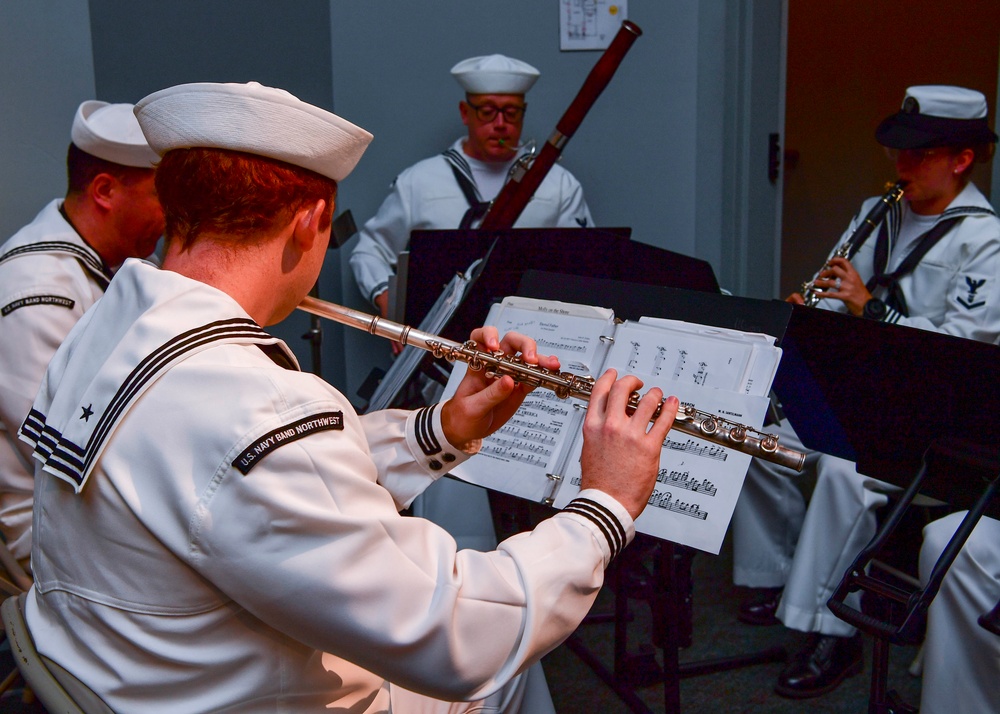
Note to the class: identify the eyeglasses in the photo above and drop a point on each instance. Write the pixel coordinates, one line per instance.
(914, 157)
(488, 112)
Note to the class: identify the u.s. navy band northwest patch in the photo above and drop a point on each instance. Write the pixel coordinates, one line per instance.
(252, 455)
(57, 300)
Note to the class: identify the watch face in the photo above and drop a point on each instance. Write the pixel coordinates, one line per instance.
(875, 309)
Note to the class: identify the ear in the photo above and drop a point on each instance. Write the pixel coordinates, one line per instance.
(102, 189)
(964, 159)
(306, 229)
(463, 109)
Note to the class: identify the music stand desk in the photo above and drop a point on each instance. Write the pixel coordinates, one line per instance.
(435, 256)
(880, 395)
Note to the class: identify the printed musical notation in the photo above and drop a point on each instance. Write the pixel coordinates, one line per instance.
(658, 360)
(665, 500)
(533, 435)
(682, 479)
(698, 448)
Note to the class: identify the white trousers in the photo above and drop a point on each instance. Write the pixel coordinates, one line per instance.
(839, 522)
(961, 659)
(768, 517)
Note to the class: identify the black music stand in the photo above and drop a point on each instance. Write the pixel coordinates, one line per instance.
(937, 409)
(670, 591)
(436, 256)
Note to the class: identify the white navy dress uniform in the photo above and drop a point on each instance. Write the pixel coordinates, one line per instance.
(428, 195)
(954, 289)
(48, 277)
(245, 552)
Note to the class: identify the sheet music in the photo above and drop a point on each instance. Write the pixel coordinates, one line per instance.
(764, 358)
(682, 356)
(699, 481)
(526, 454)
(724, 372)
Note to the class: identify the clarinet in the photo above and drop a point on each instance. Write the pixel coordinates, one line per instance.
(564, 384)
(810, 295)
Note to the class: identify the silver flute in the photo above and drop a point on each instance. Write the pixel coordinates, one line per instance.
(564, 384)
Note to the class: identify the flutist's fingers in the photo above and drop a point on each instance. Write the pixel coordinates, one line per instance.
(482, 405)
(513, 343)
(621, 453)
(487, 337)
(479, 408)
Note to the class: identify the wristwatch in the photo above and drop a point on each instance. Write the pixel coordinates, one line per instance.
(874, 309)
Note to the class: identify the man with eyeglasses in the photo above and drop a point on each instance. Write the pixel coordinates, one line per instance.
(453, 189)
(932, 263)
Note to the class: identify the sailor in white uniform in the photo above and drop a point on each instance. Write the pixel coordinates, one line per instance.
(57, 266)
(441, 191)
(453, 190)
(219, 531)
(961, 662)
(934, 264)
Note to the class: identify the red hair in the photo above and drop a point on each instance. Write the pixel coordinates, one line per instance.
(233, 193)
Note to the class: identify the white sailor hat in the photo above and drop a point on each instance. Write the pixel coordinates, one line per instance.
(494, 74)
(110, 132)
(937, 115)
(255, 119)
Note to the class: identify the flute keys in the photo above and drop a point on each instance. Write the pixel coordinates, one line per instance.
(769, 443)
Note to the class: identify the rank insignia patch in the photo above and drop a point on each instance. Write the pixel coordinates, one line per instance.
(973, 293)
(252, 455)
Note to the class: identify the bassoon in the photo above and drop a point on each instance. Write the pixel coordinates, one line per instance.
(525, 179)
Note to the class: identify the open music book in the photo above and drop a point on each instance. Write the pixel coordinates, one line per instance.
(536, 455)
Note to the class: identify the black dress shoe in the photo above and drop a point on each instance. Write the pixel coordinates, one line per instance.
(758, 607)
(823, 663)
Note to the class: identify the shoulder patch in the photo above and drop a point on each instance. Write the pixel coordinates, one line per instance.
(261, 447)
(971, 292)
(57, 300)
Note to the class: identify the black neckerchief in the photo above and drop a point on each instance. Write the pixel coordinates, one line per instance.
(463, 175)
(894, 294)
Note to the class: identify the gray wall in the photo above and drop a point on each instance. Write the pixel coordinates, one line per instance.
(46, 70)
(657, 152)
(663, 150)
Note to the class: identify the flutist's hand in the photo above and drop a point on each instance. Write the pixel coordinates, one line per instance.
(621, 453)
(482, 405)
